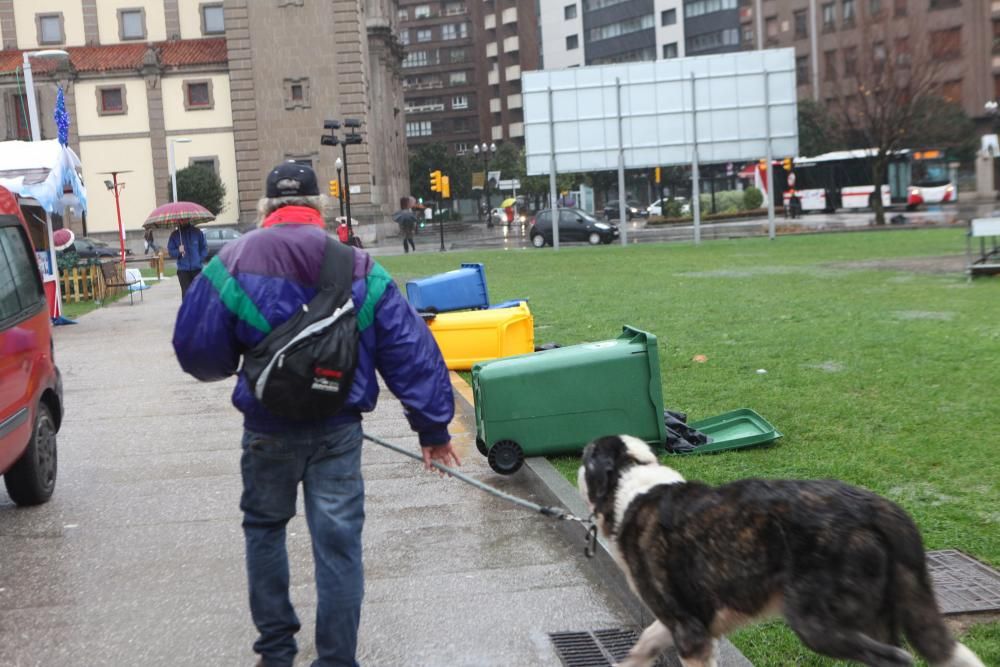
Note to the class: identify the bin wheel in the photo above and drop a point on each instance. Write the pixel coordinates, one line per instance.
(481, 446)
(506, 457)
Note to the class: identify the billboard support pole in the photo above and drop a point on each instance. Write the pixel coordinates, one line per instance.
(553, 197)
(622, 216)
(695, 177)
(770, 167)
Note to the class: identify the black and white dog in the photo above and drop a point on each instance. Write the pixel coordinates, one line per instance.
(844, 566)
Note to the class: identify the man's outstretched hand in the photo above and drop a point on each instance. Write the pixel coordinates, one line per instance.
(443, 454)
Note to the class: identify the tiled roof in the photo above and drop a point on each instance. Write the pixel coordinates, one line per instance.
(124, 57)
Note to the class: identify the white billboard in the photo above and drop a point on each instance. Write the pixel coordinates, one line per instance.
(659, 109)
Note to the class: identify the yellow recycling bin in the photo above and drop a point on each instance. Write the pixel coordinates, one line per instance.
(471, 336)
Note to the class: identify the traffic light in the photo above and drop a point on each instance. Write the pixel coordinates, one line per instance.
(446, 187)
(763, 163)
(787, 163)
(436, 180)
(335, 189)
(657, 175)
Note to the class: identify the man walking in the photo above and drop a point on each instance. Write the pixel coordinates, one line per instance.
(252, 286)
(187, 245)
(407, 222)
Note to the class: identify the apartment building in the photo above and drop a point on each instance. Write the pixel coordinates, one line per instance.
(510, 46)
(443, 71)
(597, 32)
(244, 83)
(831, 37)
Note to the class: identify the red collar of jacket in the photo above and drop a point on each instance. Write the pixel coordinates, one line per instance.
(295, 215)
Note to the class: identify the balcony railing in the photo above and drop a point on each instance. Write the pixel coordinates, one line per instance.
(425, 108)
(491, 22)
(509, 15)
(517, 129)
(511, 44)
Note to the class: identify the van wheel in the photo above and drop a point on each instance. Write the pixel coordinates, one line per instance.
(32, 479)
(506, 457)
(538, 241)
(594, 238)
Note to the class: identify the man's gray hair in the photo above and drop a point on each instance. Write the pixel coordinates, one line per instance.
(268, 205)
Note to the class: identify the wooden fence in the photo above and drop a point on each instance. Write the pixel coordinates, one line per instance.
(87, 283)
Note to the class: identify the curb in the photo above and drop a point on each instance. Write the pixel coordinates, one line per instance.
(551, 488)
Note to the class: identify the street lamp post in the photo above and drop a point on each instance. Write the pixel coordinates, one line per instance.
(339, 164)
(486, 151)
(173, 163)
(351, 137)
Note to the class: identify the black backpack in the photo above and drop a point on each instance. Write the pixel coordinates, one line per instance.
(304, 368)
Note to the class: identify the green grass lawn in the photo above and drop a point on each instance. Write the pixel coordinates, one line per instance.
(883, 378)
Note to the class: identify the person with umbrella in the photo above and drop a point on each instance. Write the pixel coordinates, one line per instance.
(186, 243)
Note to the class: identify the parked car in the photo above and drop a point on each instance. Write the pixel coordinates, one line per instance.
(87, 248)
(632, 210)
(656, 208)
(574, 225)
(31, 399)
(217, 237)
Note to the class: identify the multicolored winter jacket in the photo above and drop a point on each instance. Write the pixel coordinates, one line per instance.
(256, 283)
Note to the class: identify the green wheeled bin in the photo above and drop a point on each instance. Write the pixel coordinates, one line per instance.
(555, 402)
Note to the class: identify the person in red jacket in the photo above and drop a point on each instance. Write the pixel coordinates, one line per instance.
(252, 286)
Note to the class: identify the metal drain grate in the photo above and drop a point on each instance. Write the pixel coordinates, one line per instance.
(963, 584)
(599, 648)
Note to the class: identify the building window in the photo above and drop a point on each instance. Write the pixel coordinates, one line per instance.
(404, 37)
(849, 12)
(458, 56)
(403, 15)
(702, 7)
(17, 111)
(213, 20)
(801, 24)
(455, 9)
(458, 78)
(829, 16)
(851, 61)
(424, 35)
(461, 148)
(418, 59)
(50, 28)
(712, 40)
(419, 129)
(422, 12)
(802, 70)
(111, 101)
(947, 44)
(460, 102)
(131, 24)
(455, 31)
(621, 28)
(899, 7)
(943, 4)
(297, 93)
(670, 50)
(830, 65)
(569, 12)
(572, 42)
(771, 28)
(198, 95)
(874, 7)
(209, 163)
(668, 17)
(951, 91)
(903, 51)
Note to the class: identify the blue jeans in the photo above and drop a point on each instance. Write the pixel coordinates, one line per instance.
(328, 464)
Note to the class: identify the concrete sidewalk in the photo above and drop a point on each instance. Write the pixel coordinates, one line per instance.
(138, 558)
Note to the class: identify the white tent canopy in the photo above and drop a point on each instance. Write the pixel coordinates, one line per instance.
(41, 170)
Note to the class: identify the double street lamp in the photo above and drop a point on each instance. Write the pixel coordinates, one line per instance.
(486, 150)
(351, 137)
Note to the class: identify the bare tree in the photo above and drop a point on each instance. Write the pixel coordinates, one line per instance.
(884, 98)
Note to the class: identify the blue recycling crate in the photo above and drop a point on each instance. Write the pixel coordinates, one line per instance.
(461, 289)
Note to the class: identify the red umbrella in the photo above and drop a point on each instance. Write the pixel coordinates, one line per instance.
(176, 213)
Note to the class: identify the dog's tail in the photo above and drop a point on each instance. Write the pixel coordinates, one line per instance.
(913, 594)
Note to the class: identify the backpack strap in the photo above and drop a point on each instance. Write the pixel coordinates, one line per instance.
(338, 269)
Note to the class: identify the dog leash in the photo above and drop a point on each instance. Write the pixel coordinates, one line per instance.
(550, 511)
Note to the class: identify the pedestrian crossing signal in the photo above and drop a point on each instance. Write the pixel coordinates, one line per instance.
(335, 189)
(787, 163)
(436, 180)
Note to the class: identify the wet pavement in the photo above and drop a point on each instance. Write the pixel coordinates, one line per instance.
(138, 558)
(475, 235)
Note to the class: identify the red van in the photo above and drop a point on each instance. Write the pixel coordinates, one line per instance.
(31, 400)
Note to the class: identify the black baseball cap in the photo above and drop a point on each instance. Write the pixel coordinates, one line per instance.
(291, 179)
